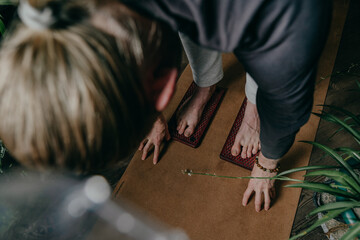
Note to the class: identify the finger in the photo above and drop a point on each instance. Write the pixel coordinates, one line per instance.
(182, 127)
(189, 131)
(247, 195)
(258, 201)
(267, 199)
(141, 146)
(235, 150)
(272, 193)
(146, 150)
(244, 151)
(167, 137)
(156, 154)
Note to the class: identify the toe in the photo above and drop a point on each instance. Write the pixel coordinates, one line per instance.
(249, 151)
(182, 127)
(255, 148)
(179, 124)
(189, 131)
(236, 148)
(244, 151)
(235, 151)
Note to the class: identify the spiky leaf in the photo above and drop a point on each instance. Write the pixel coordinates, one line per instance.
(2, 26)
(352, 233)
(306, 168)
(338, 158)
(325, 218)
(350, 152)
(335, 206)
(350, 114)
(339, 177)
(347, 127)
(321, 187)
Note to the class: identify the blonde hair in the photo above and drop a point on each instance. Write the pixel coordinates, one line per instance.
(71, 95)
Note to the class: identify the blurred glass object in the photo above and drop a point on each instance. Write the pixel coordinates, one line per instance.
(39, 206)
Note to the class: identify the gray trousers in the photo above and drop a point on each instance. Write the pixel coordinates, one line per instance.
(207, 70)
(280, 51)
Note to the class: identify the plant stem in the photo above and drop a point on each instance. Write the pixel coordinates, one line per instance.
(190, 173)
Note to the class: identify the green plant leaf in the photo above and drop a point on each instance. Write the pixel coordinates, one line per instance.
(331, 118)
(336, 132)
(346, 112)
(299, 169)
(352, 233)
(358, 83)
(322, 187)
(9, 2)
(338, 158)
(2, 27)
(327, 217)
(340, 177)
(335, 206)
(350, 152)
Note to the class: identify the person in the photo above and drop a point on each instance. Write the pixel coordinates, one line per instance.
(206, 66)
(278, 43)
(82, 82)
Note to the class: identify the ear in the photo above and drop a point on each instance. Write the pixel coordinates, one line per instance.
(165, 82)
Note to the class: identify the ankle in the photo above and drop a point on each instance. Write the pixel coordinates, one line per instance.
(267, 162)
(206, 90)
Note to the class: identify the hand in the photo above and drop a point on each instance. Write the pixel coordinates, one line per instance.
(261, 186)
(156, 136)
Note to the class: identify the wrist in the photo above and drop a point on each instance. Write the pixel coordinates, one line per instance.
(160, 118)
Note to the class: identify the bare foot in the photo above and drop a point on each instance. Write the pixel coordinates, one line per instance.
(248, 135)
(191, 110)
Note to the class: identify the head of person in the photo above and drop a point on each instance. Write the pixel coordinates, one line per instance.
(81, 82)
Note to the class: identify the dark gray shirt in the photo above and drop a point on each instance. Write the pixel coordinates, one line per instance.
(216, 24)
(278, 43)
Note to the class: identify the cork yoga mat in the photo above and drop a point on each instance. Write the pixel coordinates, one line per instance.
(210, 208)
